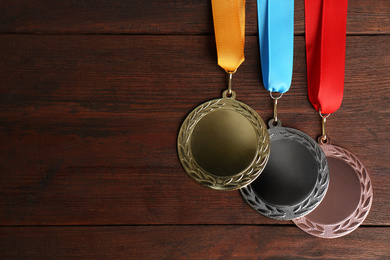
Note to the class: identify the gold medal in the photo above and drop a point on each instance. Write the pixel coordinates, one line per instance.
(223, 144)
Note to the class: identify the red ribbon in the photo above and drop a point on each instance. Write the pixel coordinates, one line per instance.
(325, 30)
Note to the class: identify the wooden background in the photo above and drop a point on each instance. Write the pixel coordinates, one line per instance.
(93, 93)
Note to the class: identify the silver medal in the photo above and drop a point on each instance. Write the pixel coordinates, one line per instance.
(296, 177)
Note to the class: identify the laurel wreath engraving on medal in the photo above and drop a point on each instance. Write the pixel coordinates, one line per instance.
(362, 210)
(184, 143)
(357, 217)
(258, 205)
(322, 182)
(314, 228)
(223, 182)
(315, 197)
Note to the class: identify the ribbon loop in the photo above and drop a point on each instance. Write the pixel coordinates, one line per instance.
(325, 52)
(276, 40)
(229, 29)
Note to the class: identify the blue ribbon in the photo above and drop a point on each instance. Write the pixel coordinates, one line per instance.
(276, 40)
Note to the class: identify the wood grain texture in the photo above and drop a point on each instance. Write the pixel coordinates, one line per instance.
(159, 17)
(188, 242)
(92, 95)
(89, 126)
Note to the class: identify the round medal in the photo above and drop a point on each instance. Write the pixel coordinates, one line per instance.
(295, 179)
(223, 144)
(348, 199)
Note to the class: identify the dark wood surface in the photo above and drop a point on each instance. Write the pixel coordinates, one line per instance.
(92, 96)
(159, 17)
(189, 242)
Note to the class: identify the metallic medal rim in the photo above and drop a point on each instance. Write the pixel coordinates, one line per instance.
(357, 217)
(289, 212)
(207, 179)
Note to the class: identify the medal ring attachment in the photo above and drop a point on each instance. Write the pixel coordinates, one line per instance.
(275, 98)
(229, 90)
(231, 95)
(223, 144)
(324, 138)
(275, 120)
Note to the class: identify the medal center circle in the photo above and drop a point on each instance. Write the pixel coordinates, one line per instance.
(342, 197)
(224, 143)
(290, 174)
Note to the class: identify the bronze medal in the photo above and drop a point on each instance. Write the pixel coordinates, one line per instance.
(349, 197)
(348, 200)
(223, 144)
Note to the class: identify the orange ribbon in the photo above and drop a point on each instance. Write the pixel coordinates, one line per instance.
(229, 29)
